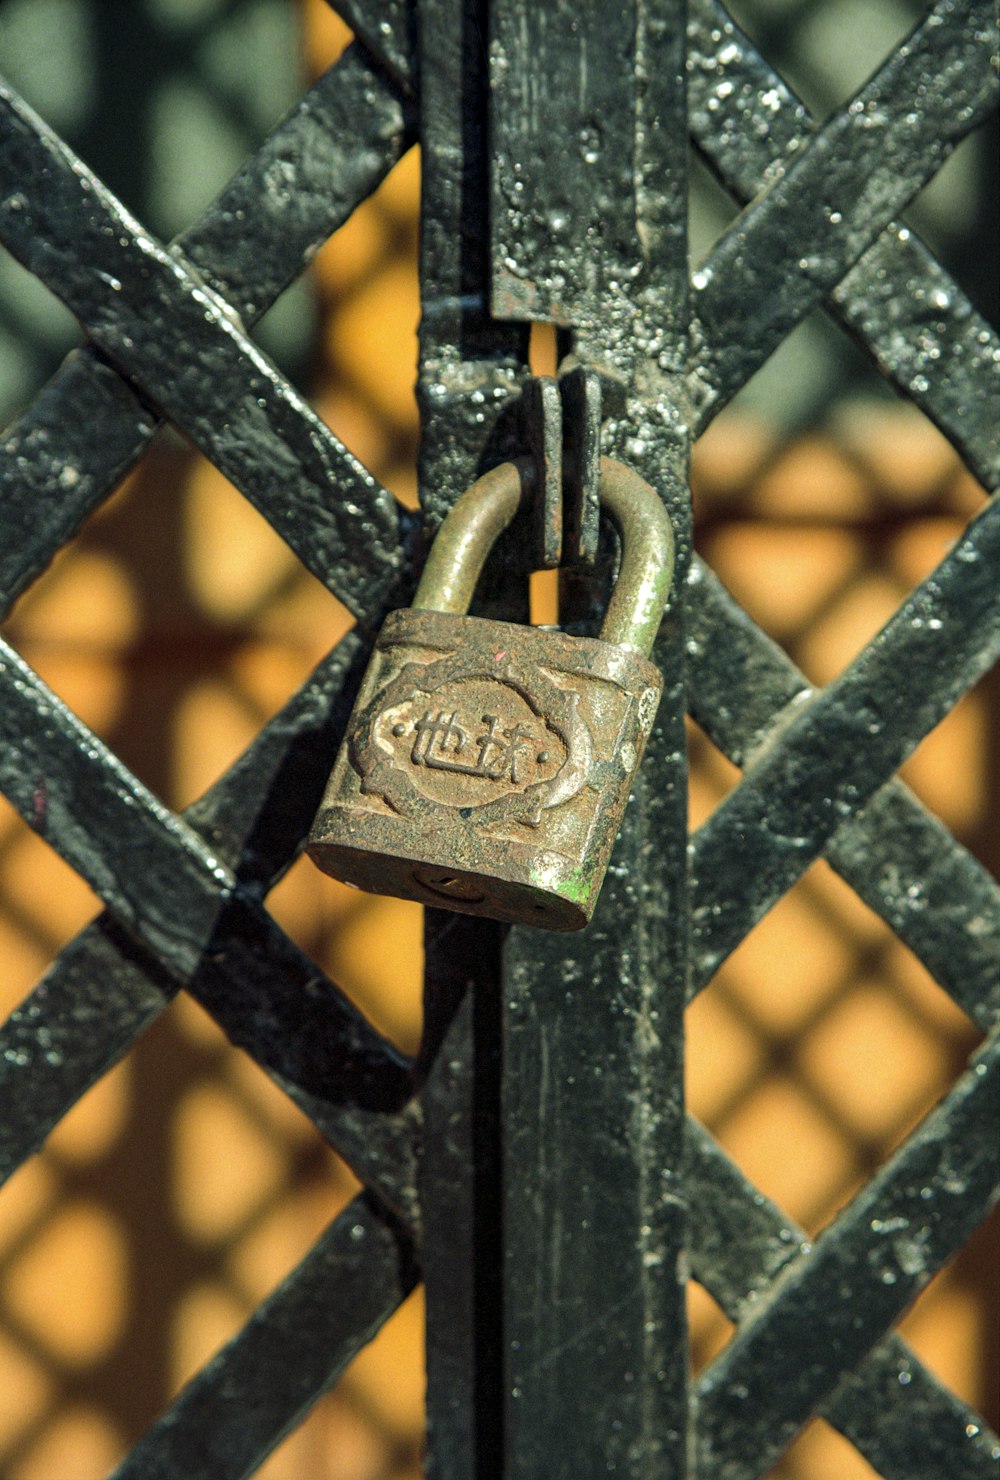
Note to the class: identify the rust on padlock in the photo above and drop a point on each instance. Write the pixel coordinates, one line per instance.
(487, 765)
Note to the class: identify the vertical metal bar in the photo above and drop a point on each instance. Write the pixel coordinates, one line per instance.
(589, 120)
(470, 370)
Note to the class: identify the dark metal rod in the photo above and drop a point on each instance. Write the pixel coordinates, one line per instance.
(589, 197)
(471, 369)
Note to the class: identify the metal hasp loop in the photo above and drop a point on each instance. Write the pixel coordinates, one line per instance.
(484, 511)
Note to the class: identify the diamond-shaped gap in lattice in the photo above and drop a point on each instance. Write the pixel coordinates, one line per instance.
(826, 51)
(711, 776)
(953, 772)
(819, 1453)
(711, 208)
(951, 215)
(211, 1187)
(816, 541)
(367, 284)
(709, 1328)
(815, 367)
(818, 1047)
(36, 333)
(370, 945)
(43, 904)
(903, 462)
(176, 623)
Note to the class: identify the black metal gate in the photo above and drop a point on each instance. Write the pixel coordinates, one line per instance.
(554, 147)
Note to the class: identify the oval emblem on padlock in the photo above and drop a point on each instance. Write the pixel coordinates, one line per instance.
(484, 733)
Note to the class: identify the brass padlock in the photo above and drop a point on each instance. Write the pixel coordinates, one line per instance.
(486, 765)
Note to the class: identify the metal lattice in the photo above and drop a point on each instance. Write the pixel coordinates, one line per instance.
(509, 1335)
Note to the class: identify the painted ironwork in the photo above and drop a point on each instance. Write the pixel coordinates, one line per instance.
(478, 1158)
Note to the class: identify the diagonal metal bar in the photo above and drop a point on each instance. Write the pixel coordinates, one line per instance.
(55, 467)
(906, 1423)
(242, 1404)
(82, 1017)
(387, 28)
(906, 867)
(337, 144)
(230, 399)
(155, 873)
(205, 930)
(837, 750)
(48, 449)
(922, 330)
(792, 246)
(928, 338)
(942, 903)
(101, 992)
(829, 1308)
(890, 1407)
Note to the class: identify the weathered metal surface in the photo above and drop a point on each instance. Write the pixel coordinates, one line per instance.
(580, 392)
(592, 1042)
(487, 770)
(544, 437)
(486, 766)
(559, 232)
(518, 1237)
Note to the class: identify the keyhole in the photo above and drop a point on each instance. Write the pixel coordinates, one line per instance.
(449, 885)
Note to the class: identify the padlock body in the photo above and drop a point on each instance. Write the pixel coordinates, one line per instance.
(486, 767)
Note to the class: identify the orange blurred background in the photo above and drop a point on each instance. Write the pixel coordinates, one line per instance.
(183, 1187)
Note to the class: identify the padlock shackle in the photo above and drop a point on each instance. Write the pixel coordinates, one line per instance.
(640, 593)
(479, 517)
(470, 529)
